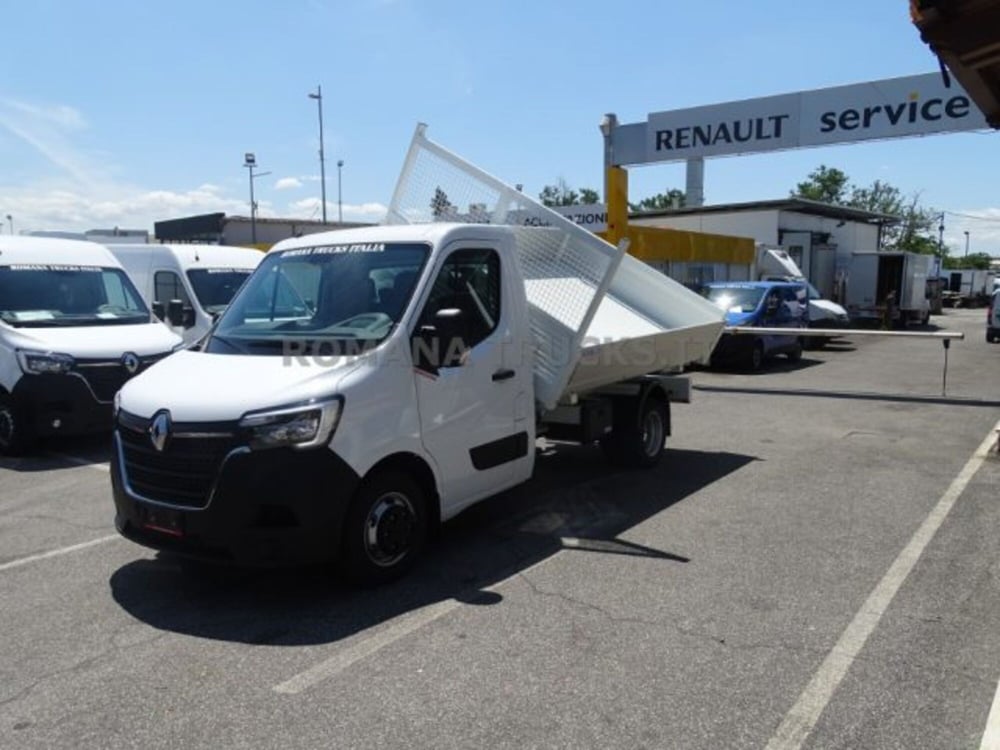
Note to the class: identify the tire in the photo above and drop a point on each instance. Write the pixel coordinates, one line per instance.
(755, 361)
(16, 437)
(639, 433)
(990, 338)
(384, 530)
(795, 354)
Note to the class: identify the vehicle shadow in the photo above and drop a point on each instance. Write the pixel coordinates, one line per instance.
(61, 453)
(574, 503)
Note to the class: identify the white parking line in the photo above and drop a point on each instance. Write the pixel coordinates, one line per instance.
(403, 626)
(802, 718)
(991, 737)
(56, 552)
(82, 462)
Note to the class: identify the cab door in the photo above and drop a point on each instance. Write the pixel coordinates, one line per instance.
(468, 384)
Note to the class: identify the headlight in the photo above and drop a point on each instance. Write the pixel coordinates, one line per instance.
(42, 363)
(299, 426)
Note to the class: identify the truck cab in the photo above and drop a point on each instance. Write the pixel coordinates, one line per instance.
(759, 304)
(73, 330)
(361, 383)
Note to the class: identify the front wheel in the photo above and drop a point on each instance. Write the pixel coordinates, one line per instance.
(16, 437)
(385, 529)
(756, 359)
(639, 433)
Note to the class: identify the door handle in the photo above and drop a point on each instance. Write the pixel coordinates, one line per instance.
(503, 375)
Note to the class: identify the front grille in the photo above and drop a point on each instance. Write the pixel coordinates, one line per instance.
(184, 472)
(106, 377)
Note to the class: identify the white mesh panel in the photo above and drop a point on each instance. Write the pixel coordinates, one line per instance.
(566, 268)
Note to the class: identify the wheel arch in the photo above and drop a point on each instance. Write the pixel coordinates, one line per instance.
(416, 467)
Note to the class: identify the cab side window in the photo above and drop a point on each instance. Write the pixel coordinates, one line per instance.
(167, 285)
(469, 282)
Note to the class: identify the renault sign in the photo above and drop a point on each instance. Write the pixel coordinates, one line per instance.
(892, 108)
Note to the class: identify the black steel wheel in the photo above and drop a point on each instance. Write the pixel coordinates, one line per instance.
(639, 433)
(385, 529)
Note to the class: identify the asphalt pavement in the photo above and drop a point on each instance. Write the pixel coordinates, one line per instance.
(814, 564)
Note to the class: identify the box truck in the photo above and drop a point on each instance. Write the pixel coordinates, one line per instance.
(888, 286)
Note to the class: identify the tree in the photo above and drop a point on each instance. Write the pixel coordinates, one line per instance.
(915, 231)
(562, 194)
(826, 184)
(440, 205)
(972, 260)
(673, 198)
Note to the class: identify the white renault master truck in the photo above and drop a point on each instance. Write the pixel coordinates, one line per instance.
(366, 384)
(187, 286)
(73, 329)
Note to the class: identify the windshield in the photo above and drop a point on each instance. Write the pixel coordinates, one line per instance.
(215, 287)
(341, 298)
(735, 299)
(36, 295)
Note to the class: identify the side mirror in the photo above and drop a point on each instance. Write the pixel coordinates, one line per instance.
(175, 313)
(159, 311)
(188, 319)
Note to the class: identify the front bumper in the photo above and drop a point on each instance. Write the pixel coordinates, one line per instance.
(61, 405)
(271, 507)
(732, 348)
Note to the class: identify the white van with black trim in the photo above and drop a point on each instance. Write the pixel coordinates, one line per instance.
(187, 286)
(73, 329)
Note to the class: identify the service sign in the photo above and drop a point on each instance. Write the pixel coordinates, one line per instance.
(892, 108)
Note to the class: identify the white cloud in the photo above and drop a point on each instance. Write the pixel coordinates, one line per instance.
(46, 129)
(311, 208)
(288, 183)
(68, 207)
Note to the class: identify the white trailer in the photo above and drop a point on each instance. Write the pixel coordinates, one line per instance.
(888, 286)
(366, 384)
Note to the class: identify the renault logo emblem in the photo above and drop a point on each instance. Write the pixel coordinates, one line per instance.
(130, 362)
(159, 430)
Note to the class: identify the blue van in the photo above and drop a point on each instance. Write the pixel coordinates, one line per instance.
(765, 304)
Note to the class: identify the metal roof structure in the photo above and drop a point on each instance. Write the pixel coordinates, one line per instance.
(799, 205)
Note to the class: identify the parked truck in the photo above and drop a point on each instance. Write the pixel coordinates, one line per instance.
(367, 384)
(968, 287)
(888, 287)
(773, 263)
(187, 286)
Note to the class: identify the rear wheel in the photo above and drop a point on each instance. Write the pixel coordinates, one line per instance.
(385, 529)
(795, 354)
(990, 337)
(639, 433)
(16, 437)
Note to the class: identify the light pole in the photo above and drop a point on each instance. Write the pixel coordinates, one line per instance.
(318, 96)
(340, 204)
(966, 244)
(10, 223)
(250, 162)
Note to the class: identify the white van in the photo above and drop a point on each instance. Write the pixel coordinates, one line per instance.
(187, 286)
(73, 329)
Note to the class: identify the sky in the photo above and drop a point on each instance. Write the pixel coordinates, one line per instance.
(121, 113)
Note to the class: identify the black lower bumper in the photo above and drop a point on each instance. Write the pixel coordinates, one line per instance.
(732, 348)
(270, 507)
(61, 405)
